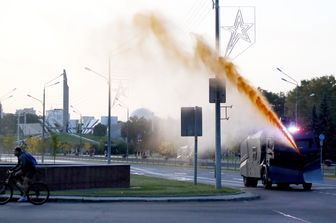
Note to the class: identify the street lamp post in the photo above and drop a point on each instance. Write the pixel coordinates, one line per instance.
(296, 92)
(43, 130)
(5, 97)
(42, 158)
(1, 100)
(43, 114)
(109, 113)
(109, 108)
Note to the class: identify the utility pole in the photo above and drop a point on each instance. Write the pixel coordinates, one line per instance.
(108, 79)
(296, 92)
(109, 114)
(43, 125)
(218, 154)
(18, 128)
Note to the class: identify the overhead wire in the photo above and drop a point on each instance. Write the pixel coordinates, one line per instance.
(192, 10)
(193, 20)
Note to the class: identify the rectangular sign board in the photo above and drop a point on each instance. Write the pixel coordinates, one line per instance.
(191, 119)
(217, 90)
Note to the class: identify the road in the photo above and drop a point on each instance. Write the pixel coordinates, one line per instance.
(292, 205)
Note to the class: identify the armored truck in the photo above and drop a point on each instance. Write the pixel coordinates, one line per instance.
(263, 157)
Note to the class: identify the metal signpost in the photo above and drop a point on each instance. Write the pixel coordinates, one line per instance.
(321, 137)
(191, 125)
(217, 95)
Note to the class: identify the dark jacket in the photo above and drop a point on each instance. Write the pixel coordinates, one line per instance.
(24, 164)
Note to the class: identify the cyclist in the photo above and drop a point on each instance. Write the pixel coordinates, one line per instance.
(24, 171)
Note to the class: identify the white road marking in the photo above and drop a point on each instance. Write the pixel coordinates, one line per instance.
(179, 173)
(290, 216)
(327, 193)
(141, 171)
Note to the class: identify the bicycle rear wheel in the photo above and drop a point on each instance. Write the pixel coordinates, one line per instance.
(6, 193)
(38, 193)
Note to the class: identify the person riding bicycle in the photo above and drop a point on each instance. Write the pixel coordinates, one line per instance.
(24, 171)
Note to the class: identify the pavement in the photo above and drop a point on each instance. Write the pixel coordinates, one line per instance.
(242, 196)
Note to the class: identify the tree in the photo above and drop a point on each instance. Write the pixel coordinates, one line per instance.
(100, 130)
(310, 93)
(32, 118)
(34, 144)
(314, 125)
(65, 147)
(7, 143)
(139, 132)
(326, 126)
(8, 124)
(54, 146)
(118, 147)
(167, 149)
(277, 101)
(87, 148)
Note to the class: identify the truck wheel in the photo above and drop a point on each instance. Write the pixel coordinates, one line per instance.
(254, 182)
(267, 183)
(307, 186)
(250, 182)
(246, 181)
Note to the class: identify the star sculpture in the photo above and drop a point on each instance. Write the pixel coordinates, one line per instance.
(238, 31)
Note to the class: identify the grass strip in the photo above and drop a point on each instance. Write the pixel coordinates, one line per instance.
(151, 186)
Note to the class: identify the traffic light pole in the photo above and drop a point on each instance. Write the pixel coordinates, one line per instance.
(218, 154)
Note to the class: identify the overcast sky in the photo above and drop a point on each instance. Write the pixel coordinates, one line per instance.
(41, 38)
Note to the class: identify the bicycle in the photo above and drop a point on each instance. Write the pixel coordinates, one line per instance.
(38, 193)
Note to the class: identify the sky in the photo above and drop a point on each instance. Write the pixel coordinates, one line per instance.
(41, 38)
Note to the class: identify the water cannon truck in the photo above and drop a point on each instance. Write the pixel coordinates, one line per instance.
(263, 157)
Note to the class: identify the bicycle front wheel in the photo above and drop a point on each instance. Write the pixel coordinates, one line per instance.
(38, 193)
(6, 193)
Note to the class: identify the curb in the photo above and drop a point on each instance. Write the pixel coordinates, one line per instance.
(244, 196)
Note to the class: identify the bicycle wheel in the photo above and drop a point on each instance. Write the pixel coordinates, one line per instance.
(38, 193)
(6, 193)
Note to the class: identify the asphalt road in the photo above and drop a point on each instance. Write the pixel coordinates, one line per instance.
(291, 205)
(293, 208)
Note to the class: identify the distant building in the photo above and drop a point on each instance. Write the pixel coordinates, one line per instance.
(73, 125)
(26, 111)
(30, 129)
(115, 127)
(104, 120)
(88, 123)
(54, 120)
(55, 115)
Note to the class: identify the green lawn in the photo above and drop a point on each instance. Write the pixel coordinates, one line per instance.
(152, 186)
(72, 139)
